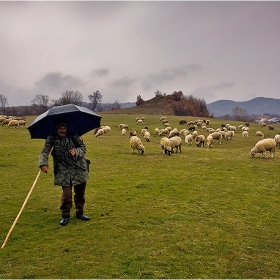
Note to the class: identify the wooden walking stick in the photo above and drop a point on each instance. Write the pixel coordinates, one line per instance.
(22, 207)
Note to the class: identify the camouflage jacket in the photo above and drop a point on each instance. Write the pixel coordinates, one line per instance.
(67, 169)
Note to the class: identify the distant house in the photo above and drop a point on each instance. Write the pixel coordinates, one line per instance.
(262, 119)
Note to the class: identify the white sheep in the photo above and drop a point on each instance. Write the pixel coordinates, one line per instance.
(217, 136)
(176, 142)
(188, 139)
(199, 140)
(164, 131)
(259, 133)
(100, 132)
(107, 129)
(22, 122)
(166, 146)
(132, 133)
(157, 131)
(209, 141)
(261, 146)
(123, 132)
(245, 134)
(147, 135)
(139, 121)
(122, 125)
(14, 123)
(6, 121)
(143, 130)
(136, 144)
(229, 134)
(277, 139)
(173, 132)
(231, 127)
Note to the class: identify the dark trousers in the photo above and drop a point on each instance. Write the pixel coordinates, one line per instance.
(79, 199)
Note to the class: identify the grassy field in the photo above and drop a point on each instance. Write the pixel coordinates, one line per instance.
(203, 213)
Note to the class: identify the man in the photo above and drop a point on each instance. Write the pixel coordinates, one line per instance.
(70, 168)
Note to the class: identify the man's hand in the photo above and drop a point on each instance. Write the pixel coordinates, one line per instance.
(45, 168)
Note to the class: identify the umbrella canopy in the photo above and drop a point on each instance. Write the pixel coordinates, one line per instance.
(79, 119)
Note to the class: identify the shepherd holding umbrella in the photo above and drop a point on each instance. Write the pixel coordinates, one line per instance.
(62, 127)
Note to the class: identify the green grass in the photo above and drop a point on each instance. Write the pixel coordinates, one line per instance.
(204, 213)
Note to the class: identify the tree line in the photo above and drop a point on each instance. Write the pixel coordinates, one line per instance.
(42, 102)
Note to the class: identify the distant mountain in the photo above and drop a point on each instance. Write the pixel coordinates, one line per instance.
(256, 106)
(128, 104)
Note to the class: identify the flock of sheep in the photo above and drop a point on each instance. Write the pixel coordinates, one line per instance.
(11, 121)
(173, 138)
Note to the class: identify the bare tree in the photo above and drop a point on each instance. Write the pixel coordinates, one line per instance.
(3, 103)
(70, 97)
(239, 114)
(95, 99)
(40, 103)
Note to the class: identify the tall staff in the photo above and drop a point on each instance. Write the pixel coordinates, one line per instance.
(22, 207)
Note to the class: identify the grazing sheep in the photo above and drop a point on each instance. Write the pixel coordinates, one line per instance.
(139, 121)
(263, 124)
(6, 121)
(136, 144)
(231, 127)
(182, 122)
(164, 121)
(217, 136)
(132, 133)
(199, 140)
(192, 128)
(176, 142)
(188, 139)
(184, 132)
(14, 123)
(259, 133)
(271, 127)
(157, 131)
(245, 134)
(264, 145)
(143, 130)
(22, 122)
(277, 139)
(166, 146)
(209, 141)
(162, 118)
(174, 132)
(99, 132)
(147, 135)
(123, 132)
(229, 134)
(122, 125)
(164, 131)
(194, 134)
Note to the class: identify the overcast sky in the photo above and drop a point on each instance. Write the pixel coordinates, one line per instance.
(211, 50)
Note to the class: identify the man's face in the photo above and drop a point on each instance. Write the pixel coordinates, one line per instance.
(61, 131)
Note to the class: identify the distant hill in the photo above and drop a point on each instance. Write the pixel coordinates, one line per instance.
(160, 105)
(256, 106)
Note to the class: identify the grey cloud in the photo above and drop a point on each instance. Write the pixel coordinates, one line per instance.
(211, 90)
(100, 72)
(55, 81)
(123, 82)
(171, 74)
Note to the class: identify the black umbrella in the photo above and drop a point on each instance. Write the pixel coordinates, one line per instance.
(80, 120)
